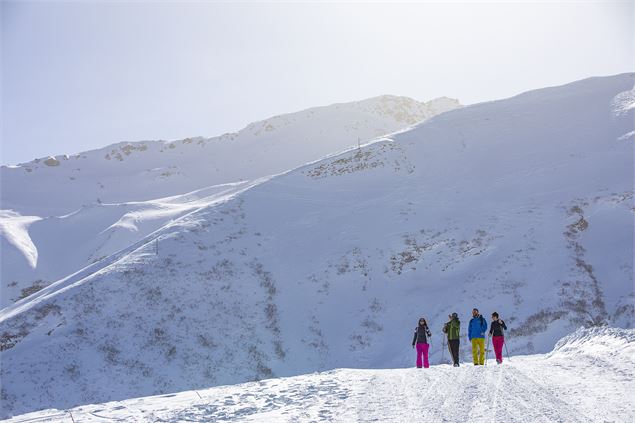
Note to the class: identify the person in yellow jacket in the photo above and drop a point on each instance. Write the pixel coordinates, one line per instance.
(476, 333)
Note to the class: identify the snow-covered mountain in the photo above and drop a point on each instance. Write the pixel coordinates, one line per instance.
(590, 376)
(139, 171)
(523, 206)
(62, 213)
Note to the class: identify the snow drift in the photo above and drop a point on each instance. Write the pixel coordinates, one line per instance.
(612, 346)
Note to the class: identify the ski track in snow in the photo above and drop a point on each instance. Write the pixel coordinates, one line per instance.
(524, 389)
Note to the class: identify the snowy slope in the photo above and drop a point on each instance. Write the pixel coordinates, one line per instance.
(588, 377)
(139, 171)
(523, 205)
(61, 214)
(38, 251)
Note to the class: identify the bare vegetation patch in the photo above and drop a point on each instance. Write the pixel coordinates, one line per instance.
(417, 244)
(221, 271)
(536, 323)
(582, 297)
(36, 286)
(271, 313)
(367, 158)
(258, 359)
(9, 340)
(353, 261)
(626, 311)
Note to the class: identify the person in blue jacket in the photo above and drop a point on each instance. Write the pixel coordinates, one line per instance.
(476, 333)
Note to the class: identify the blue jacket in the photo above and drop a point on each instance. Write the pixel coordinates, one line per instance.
(477, 327)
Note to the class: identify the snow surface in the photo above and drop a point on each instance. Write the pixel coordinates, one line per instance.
(590, 376)
(90, 205)
(523, 206)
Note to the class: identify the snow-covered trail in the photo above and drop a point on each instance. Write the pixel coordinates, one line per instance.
(585, 384)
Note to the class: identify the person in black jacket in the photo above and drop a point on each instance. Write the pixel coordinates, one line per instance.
(420, 339)
(497, 333)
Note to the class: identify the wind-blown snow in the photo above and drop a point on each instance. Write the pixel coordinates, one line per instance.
(523, 206)
(14, 232)
(589, 377)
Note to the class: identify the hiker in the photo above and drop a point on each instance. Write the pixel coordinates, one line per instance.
(452, 329)
(445, 330)
(496, 331)
(476, 334)
(421, 341)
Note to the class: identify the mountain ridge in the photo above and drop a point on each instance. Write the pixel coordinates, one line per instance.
(447, 101)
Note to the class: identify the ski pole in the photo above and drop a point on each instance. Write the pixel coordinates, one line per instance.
(505, 342)
(487, 349)
(442, 349)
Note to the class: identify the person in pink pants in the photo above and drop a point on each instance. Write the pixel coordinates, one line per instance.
(497, 332)
(420, 339)
(422, 351)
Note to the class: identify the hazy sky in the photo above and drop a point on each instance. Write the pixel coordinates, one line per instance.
(81, 75)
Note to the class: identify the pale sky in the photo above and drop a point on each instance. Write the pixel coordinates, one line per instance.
(82, 75)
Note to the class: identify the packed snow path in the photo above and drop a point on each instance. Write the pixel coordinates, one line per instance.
(588, 383)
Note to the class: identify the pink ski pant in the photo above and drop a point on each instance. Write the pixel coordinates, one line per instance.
(422, 350)
(498, 342)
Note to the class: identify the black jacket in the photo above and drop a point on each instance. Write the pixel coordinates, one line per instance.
(496, 328)
(420, 335)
